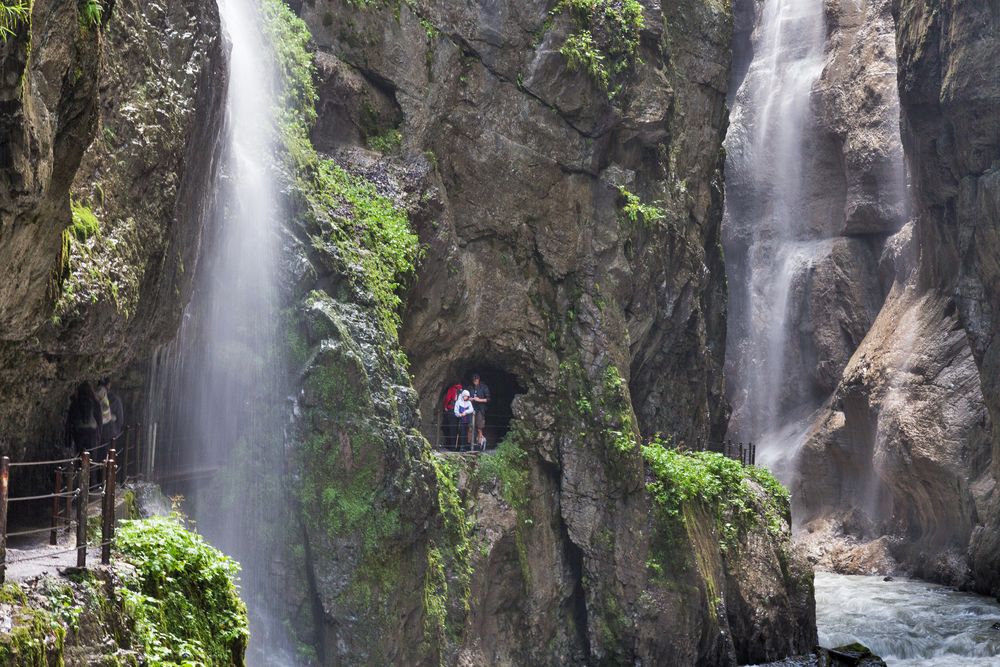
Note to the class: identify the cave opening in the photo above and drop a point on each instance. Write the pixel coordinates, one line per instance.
(503, 386)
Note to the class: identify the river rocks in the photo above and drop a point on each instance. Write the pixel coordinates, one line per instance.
(851, 655)
(831, 546)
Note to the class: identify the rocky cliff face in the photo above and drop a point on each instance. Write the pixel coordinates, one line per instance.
(108, 132)
(570, 219)
(952, 134)
(561, 167)
(898, 459)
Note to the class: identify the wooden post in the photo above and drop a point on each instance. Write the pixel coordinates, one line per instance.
(4, 486)
(108, 507)
(54, 522)
(82, 500)
(70, 479)
(128, 433)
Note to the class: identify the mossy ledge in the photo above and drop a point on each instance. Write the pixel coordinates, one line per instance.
(168, 599)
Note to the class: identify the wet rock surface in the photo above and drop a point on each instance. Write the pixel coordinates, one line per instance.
(518, 172)
(951, 132)
(119, 119)
(897, 462)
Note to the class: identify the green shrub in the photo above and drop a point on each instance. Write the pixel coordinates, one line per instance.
(84, 224)
(387, 142)
(718, 481)
(606, 40)
(636, 211)
(507, 468)
(183, 598)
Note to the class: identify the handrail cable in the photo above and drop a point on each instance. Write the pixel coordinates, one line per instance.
(64, 494)
(47, 529)
(20, 464)
(49, 554)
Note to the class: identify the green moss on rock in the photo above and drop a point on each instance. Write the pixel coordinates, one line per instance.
(36, 636)
(348, 217)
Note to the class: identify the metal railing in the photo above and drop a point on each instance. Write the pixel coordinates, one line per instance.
(744, 452)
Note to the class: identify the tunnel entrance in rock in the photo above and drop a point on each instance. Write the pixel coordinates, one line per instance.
(503, 387)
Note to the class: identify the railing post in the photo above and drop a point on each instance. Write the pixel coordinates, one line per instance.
(83, 499)
(128, 434)
(70, 480)
(4, 487)
(108, 507)
(54, 523)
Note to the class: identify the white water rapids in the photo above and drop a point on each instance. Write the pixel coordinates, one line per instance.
(908, 623)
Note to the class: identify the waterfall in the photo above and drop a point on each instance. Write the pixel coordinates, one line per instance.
(217, 392)
(771, 240)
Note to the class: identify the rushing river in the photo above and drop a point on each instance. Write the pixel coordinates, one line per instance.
(908, 623)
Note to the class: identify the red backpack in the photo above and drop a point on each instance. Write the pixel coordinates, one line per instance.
(451, 396)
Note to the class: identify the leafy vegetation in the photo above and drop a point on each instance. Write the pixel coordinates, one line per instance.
(606, 40)
(387, 142)
(636, 211)
(723, 484)
(12, 12)
(352, 218)
(507, 467)
(91, 13)
(447, 585)
(183, 597)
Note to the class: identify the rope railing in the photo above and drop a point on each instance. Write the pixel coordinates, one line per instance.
(34, 531)
(73, 485)
(44, 496)
(58, 552)
(23, 464)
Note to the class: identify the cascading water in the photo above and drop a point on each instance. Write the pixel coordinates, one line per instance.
(908, 623)
(217, 392)
(770, 239)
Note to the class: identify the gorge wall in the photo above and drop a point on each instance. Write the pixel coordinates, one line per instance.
(559, 169)
(108, 135)
(570, 226)
(887, 436)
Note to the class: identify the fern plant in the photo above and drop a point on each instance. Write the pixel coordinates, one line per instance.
(12, 12)
(91, 12)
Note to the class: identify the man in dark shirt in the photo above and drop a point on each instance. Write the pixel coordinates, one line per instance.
(479, 394)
